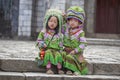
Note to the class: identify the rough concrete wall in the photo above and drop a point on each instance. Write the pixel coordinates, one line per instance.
(31, 13)
(38, 12)
(59, 4)
(38, 15)
(90, 15)
(14, 19)
(40, 9)
(25, 16)
(77, 3)
(74, 3)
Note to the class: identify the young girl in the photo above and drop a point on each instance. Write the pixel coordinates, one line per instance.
(49, 39)
(75, 42)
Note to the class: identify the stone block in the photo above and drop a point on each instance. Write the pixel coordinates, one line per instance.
(90, 68)
(11, 76)
(27, 24)
(19, 33)
(0, 65)
(25, 7)
(110, 42)
(41, 76)
(92, 77)
(20, 65)
(90, 6)
(107, 68)
(26, 2)
(28, 33)
(40, 2)
(27, 12)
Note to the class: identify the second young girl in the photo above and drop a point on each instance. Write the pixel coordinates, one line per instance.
(75, 42)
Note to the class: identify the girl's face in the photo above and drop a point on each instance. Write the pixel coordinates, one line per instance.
(52, 22)
(73, 23)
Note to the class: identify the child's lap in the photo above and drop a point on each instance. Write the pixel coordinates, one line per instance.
(53, 56)
(78, 56)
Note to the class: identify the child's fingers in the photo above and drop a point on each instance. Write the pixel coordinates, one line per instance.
(72, 52)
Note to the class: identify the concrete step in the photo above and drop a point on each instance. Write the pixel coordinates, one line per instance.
(29, 65)
(19, 65)
(43, 76)
(97, 41)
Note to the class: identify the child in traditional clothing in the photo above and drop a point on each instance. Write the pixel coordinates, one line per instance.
(50, 41)
(75, 42)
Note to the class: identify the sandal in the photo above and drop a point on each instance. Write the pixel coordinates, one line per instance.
(60, 72)
(49, 71)
(69, 73)
(76, 73)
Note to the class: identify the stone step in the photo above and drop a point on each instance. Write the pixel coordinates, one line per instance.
(43, 76)
(29, 65)
(19, 65)
(97, 41)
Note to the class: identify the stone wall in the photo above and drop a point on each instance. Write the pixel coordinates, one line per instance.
(9, 11)
(14, 17)
(90, 15)
(39, 9)
(74, 3)
(38, 13)
(25, 16)
(31, 14)
(77, 3)
(58, 4)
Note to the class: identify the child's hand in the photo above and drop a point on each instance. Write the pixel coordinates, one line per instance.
(63, 14)
(45, 46)
(42, 45)
(72, 52)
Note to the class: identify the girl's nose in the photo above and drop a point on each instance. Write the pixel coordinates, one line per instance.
(72, 22)
(52, 24)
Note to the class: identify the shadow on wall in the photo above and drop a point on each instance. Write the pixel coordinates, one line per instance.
(5, 26)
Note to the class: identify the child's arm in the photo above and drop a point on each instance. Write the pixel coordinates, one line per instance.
(83, 43)
(61, 43)
(40, 40)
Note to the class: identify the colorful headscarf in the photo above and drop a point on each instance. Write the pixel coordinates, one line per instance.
(77, 13)
(53, 12)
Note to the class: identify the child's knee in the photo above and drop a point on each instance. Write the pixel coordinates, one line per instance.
(81, 58)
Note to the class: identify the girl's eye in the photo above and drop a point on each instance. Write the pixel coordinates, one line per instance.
(75, 21)
(50, 20)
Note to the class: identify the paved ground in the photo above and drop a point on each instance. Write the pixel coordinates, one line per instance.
(27, 49)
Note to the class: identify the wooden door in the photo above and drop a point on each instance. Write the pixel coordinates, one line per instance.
(108, 16)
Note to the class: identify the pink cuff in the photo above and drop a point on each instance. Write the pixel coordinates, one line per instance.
(48, 65)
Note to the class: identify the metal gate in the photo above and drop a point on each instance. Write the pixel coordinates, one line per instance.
(9, 10)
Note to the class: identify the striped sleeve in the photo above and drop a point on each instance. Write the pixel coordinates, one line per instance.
(83, 43)
(40, 41)
(61, 42)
